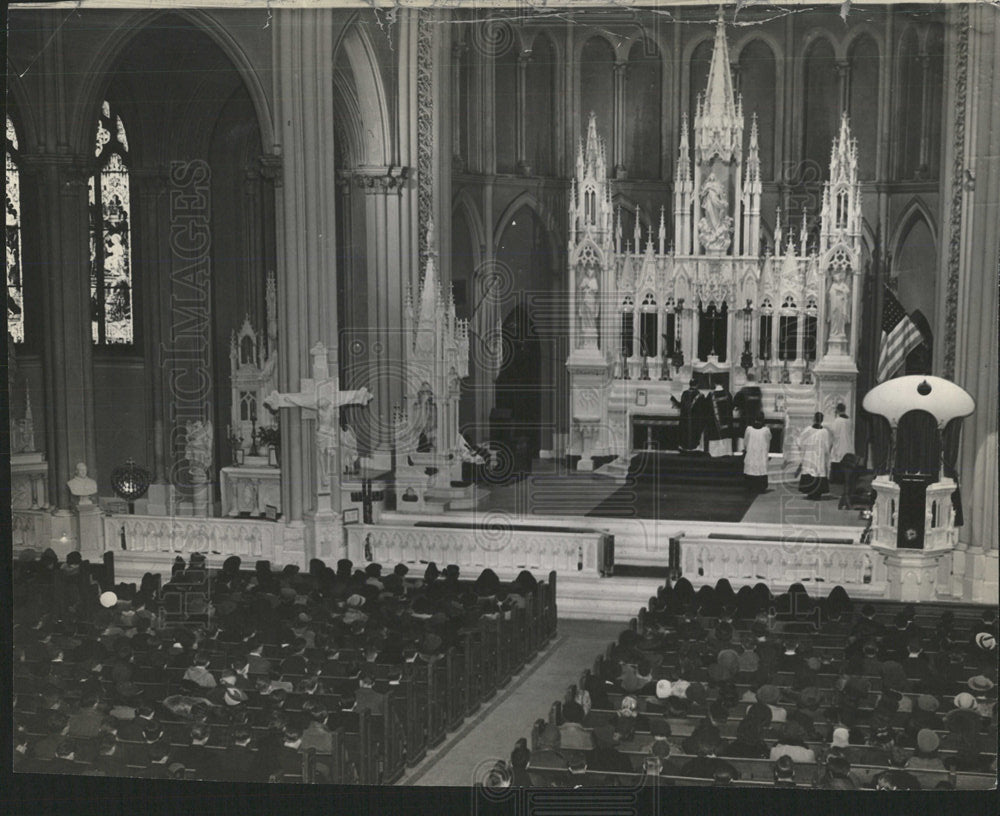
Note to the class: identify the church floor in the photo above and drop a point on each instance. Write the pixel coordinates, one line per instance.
(551, 490)
(468, 753)
(783, 504)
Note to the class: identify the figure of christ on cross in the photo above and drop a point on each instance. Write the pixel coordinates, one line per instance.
(323, 395)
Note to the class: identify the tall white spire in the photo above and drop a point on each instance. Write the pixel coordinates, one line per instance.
(718, 122)
(841, 217)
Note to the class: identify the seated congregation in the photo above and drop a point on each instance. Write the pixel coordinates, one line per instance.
(723, 688)
(336, 675)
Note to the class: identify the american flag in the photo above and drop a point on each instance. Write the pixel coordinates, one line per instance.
(900, 336)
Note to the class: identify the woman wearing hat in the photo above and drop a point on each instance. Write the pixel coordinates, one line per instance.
(926, 757)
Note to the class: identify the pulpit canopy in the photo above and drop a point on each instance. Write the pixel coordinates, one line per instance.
(939, 397)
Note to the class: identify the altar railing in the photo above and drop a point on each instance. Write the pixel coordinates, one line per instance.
(777, 563)
(31, 529)
(212, 536)
(502, 548)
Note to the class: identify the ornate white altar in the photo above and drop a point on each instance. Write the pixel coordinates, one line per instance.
(253, 363)
(250, 489)
(649, 317)
(429, 447)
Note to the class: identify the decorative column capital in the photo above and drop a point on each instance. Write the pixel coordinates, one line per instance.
(383, 180)
(72, 170)
(270, 167)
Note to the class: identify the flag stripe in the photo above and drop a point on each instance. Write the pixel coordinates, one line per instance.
(900, 336)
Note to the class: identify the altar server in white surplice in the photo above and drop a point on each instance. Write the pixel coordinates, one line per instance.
(843, 444)
(756, 445)
(815, 444)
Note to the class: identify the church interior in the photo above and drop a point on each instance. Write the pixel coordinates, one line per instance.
(542, 396)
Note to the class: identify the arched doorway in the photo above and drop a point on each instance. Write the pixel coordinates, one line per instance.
(526, 383)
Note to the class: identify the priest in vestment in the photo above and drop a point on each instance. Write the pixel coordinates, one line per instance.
(720, 427)
(691, 422)
(756, 446)
(748, 402)
(815, 445)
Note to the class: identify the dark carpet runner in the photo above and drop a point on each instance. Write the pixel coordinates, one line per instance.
(671, 486)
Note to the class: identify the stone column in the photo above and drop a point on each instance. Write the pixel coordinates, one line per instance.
(618, 129)
(150, 247)
(844, 82)
(306, 254)
(458, 50)
(924, 159)
(970, 307)
(63, 226)
(521, 129)
(386, 208)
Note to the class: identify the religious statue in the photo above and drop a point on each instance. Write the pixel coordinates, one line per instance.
(838, 310)
(323, 395)
(349, 457)
(82, 486)
(588, 308)
(198, 449)
(715, 226)
(426, 420)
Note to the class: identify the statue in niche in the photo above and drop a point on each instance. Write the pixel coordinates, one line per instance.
(838, 309)
(588, 306)
(198, 449)
(426, 420)
(715, 225)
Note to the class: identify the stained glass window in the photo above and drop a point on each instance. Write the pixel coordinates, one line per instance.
(12, 235)
(110, 235)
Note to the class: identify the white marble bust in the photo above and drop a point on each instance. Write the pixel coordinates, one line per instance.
(82, 486)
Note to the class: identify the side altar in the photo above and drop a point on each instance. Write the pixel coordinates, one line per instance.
(429, 449)
(716, 304)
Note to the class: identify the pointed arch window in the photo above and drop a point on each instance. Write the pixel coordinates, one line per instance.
(110, 235)
(12, 235)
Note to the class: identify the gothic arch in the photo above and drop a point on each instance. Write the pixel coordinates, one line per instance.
(912, 212)
(864, 30)
(867, 239)
(685, 86)
(466, 204)
(768, 39)
(376, 149)
(913, 266)
(555, 43)
(543, 215)
(582, 43)
(97, 75)
(351, 124)
(21, 111)
(810, 38)
(770, 166)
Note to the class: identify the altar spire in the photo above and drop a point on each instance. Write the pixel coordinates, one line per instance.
(719, 122)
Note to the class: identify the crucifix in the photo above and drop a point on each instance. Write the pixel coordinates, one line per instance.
(321, 394)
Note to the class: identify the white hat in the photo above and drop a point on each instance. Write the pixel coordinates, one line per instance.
(662, 689)
(985, 640)
(679, 688)
(965, 700)
(841, 737)
(108, 599)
